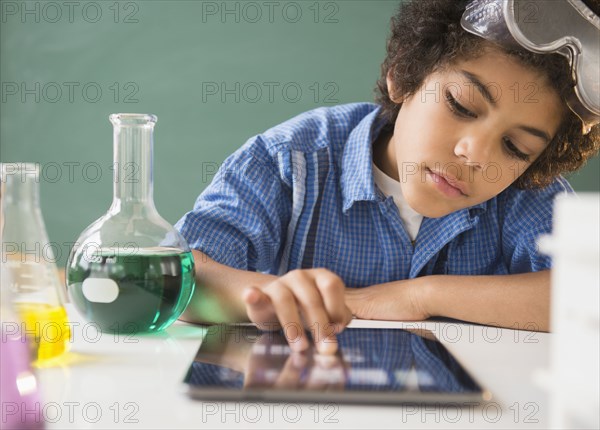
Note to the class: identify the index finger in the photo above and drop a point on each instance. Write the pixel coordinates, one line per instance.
(332, 289)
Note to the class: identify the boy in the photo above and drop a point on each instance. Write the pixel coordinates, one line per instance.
(428, 204)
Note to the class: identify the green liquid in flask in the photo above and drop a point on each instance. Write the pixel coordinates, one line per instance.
(154, 287)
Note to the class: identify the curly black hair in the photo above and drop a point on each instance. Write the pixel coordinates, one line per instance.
(426, 35)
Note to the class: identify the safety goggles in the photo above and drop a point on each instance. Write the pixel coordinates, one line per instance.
(567, 27)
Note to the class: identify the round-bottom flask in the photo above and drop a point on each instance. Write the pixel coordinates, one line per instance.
(131, 271)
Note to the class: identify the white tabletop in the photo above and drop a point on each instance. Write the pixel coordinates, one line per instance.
(129, 382)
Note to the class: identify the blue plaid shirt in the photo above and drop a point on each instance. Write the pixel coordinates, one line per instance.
(302, 195)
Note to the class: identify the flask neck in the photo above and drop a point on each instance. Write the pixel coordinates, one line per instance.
(133, 137)
(20, 185)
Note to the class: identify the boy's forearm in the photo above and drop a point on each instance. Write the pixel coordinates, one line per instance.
(218, 294)
(517, 301)
(520, 301)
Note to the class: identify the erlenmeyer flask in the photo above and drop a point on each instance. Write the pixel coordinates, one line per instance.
(131, 271)
(28, 264)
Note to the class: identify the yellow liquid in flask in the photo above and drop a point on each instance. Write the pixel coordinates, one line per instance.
(46, 327)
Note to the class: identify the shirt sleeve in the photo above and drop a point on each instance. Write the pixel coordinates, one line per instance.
(528, 215)
(240, 219)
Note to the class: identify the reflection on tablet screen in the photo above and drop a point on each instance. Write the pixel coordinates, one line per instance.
(246, 360)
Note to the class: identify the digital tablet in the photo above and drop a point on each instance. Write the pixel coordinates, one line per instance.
(371, 366)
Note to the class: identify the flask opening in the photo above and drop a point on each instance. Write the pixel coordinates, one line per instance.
(133, 119)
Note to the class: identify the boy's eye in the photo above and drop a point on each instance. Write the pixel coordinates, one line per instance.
(514, 151)
(463, 112)
(457, 108)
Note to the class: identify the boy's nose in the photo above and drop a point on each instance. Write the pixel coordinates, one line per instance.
(473, 151)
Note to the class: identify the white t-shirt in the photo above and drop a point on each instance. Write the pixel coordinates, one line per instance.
(391, 187)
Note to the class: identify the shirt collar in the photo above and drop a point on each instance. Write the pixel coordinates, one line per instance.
(475, 211)
(357, 173)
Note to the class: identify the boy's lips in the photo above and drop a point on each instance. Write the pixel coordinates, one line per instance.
(448, 185)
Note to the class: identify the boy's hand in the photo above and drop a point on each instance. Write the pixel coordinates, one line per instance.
(312, 299)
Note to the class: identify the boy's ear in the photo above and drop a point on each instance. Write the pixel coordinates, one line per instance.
(391, 87)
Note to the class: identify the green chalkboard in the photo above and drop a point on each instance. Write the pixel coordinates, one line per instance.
(214, 72)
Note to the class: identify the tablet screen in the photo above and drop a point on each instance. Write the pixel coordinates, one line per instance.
(392, 365)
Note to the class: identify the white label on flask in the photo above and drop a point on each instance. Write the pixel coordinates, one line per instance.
(100, 290)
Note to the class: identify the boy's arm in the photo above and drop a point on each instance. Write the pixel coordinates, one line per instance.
(513, 301)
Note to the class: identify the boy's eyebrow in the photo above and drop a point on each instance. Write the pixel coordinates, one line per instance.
(536, 132)
(485, 93)
(474, 79)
